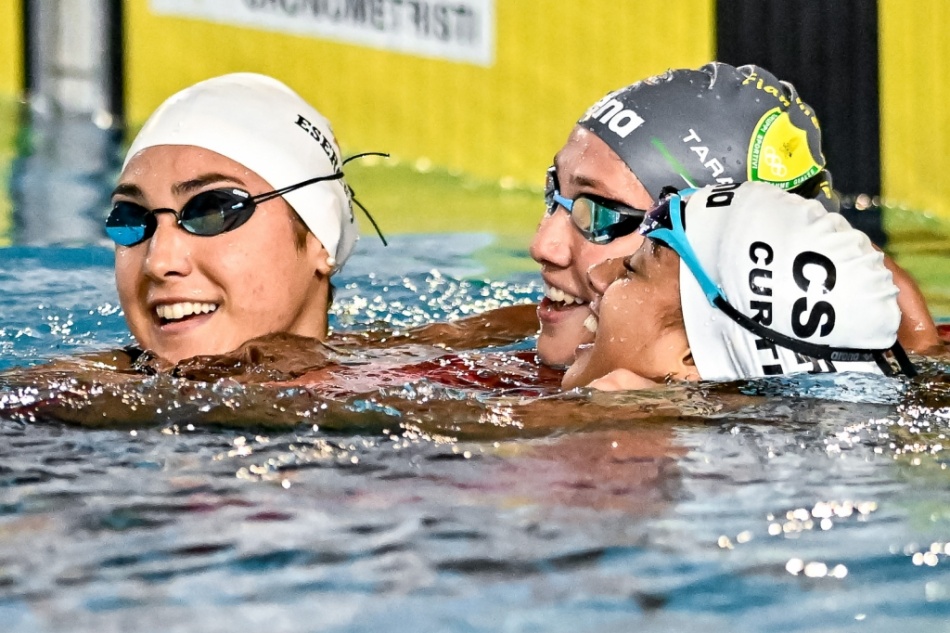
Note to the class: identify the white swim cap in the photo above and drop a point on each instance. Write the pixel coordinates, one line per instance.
(791, 266)
(259, 122)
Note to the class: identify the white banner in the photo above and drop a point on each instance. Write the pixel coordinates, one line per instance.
(456, 30)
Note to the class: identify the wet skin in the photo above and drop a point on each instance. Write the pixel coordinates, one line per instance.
(585, 165)
(641, 339)
(245, 283)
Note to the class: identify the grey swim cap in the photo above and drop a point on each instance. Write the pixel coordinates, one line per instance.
(717, 124)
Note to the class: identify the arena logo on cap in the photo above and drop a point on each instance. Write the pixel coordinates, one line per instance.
(779, 152)
(611, 112)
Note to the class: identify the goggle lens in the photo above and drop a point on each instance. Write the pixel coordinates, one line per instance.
(217, 211)
(129, 223)
(602, 221)
(599, 221)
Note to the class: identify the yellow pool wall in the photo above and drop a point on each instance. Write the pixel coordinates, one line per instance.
(914, 97)
(502, 122)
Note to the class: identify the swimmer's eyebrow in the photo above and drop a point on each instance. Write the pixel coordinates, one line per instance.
(585, 181)
(201, 182)
(590, 182)
(125, 189)
(179, 188)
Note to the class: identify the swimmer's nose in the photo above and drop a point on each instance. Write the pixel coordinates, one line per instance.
(552, 243)
(605, 273)
(169, 250)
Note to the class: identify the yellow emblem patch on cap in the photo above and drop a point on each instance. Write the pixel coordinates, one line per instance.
(779, 152)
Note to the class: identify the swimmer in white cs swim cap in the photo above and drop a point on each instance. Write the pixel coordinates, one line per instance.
(741, 281)
(230, 216)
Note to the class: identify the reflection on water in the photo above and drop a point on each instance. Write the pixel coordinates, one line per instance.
(813, 520)
(214, 505)
(61, 177)
(62, 182)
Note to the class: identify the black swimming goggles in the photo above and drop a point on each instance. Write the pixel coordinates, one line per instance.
(666, 224)
(599, 220)
(208, 213)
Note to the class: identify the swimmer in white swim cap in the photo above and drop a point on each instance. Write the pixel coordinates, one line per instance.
(229, 217)
(741, 281)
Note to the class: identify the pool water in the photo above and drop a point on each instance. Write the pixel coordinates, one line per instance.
(421, 507)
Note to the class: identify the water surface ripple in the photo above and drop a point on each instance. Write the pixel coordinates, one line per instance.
(734, 508)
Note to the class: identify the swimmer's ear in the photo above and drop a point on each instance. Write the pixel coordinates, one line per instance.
(319, 259)
(325, 263)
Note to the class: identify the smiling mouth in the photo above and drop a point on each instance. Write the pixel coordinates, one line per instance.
(560, 298)
(556, 300)
(175, 312)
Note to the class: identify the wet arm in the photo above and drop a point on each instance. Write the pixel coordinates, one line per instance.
(113, 365)
(494, 327)
(917, 331)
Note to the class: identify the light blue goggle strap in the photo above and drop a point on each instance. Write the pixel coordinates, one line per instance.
(567, 203)
(676, 239)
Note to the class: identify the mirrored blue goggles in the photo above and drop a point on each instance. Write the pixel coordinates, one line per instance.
(665, 223)
(599, 220)
(208, 213)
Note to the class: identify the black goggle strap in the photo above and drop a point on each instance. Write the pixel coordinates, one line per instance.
(360, 204)
(270, 195)
(824, 352)
(900, 355)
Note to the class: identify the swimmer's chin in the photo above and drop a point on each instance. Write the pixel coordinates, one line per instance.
(577, 374)
(555, 360)
(554, 351)
(172, 353)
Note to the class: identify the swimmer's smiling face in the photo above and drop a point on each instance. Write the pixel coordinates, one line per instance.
(640, 321)
(585, 165)
(185, 295)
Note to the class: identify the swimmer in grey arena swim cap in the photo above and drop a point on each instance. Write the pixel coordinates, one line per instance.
(229, 217)
(740, 281)
(715, 124)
